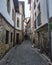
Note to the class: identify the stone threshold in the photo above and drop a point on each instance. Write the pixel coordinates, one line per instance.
(45, 57)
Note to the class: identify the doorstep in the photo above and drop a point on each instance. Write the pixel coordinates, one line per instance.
(47, 59)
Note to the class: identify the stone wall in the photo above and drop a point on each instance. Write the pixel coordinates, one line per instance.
(7, 36)
(43, 38)
(4, 26)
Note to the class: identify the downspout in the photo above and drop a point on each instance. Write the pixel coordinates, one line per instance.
(14, 33)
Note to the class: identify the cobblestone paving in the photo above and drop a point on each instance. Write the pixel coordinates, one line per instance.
(23, 54)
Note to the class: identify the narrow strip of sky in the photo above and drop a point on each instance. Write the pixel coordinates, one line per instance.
(27, 12)
(21, 0)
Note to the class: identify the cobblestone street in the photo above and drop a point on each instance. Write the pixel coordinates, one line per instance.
(22, 54)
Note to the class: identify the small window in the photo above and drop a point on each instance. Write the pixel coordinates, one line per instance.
(37, 0)
(35, 23)
(17, 22)
(29, 1)
(7, 36)
(11, 36)
(34, 5)
(13, 14)
(39, 8)
(8, 6)
(35, 14)
(39, 19)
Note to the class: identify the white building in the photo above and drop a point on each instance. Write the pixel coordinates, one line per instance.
(19, 26)
(6, 8)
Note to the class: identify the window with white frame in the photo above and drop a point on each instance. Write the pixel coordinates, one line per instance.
(17, 22)
(13, 15)
(8, 6)
(39, 15)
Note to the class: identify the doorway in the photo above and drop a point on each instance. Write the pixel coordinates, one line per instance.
(17, 38)
(7, 36)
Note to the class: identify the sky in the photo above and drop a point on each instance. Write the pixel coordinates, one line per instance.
(50, 8)
(27, 12)
(21, 0)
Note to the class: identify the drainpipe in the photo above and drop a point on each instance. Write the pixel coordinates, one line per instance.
(49, 31)
(32, 19)
(14, 33)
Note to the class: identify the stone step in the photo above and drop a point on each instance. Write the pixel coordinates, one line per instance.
(47, 59)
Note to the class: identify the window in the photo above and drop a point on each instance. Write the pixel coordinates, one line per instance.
(34, 4)
(7, 36)
(35, 14)
(37, 0)
(17, 22)
(29, 1)
(13, 15)
(35, 23)
(11, 36)
(8, 6)
(39, 15)
(39, 19)
(39, 8)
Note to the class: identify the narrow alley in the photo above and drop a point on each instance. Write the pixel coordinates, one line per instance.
(25, 32)
(23, 54)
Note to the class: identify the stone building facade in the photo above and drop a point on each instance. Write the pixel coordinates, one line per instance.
(42, 33)
(42, 16)
(6, 35)
(10, 26)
